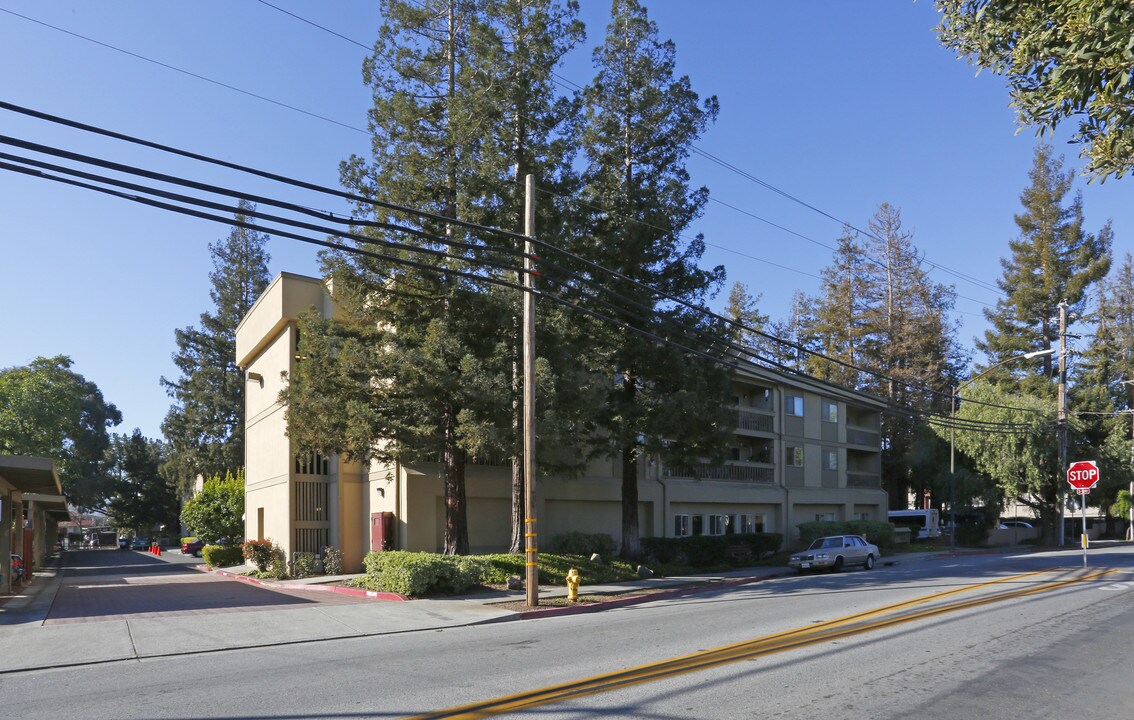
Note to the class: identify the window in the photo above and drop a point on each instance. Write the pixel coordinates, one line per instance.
(830, 459)
(749, 524)
(793, 457)
(828, 517)
(680, 525)
(698, 524)
(793, 405)
(830, 412)
(734, 453)
(718, 524)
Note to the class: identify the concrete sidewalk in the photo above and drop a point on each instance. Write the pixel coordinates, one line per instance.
(27, 643)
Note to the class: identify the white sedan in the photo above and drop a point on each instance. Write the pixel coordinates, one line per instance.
(835, 552)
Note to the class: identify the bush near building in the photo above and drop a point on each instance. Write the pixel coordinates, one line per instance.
(705, 551)
(222, 555)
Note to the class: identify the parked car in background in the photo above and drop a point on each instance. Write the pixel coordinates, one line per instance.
(193, 547)
(139, 543)
(835, 552)
(123, 543)
(1007, 524)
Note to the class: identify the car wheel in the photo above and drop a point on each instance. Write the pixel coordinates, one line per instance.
(869, 564)
(838, 564)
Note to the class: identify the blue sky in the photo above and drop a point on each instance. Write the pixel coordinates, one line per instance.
(839, 105)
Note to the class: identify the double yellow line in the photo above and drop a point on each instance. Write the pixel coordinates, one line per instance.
(867, 621)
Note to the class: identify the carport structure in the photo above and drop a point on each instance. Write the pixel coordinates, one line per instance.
(34, 481)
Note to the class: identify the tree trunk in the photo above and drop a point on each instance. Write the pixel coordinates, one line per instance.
(456, 517)
(631, 541)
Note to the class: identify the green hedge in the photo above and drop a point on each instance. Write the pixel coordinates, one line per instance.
(579, 543)
(417, 574)
(879, 532)
(222, 555)
(711, 550)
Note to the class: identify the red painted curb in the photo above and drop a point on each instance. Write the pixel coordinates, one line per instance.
(357, 592)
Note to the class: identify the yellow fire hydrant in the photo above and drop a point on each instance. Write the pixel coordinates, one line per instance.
(573, 580)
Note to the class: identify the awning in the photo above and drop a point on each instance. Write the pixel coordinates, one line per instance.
(28, 474)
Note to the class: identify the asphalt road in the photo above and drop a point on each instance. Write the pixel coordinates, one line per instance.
(991, 636)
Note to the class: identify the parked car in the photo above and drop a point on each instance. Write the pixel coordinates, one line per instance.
(17, 567)
(123, 543)
(193, 547)
(1007, 524)
(139, 543)
(835, 552)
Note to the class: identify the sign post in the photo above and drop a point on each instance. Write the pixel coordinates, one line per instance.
(1083, 475)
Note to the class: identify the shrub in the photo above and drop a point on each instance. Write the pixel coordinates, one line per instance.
(417, 574)
(260, 553)
(332, 560)
(303, 565)
(222, 555)
(277, 568)
(879, 532)
(580, 543)
(711, 550)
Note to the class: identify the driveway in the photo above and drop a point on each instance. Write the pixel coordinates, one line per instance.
(111, 584)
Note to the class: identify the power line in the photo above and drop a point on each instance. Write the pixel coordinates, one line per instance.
(746, 351)
(176, 69)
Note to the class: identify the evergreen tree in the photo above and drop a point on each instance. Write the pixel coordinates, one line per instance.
(49, 410)
(639, 127)
(1052, 260)
(910, 343)
(143, 499)
(1102, 393)
(420, 358)
(796, 334)
(205, 426)
(749, 322)
(837, 317)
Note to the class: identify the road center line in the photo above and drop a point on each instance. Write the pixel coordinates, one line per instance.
(859, 623)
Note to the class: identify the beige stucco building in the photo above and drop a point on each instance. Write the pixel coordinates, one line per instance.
(803, 450)
(31, 507)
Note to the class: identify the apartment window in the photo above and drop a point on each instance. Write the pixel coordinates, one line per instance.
(793, 456)
(698, 524)
(681, 526)
(748, 524)
(793, 405)
(734, 453)
(830, 459)
(718, 524)
(825, 517)
(830, 412)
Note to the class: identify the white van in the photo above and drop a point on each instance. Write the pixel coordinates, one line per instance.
(922, 523)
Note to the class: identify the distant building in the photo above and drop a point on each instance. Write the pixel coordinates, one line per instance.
(803, 450)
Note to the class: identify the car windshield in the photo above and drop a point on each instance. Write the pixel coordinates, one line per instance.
(826, 543)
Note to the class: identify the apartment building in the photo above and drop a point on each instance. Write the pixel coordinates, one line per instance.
(803, 450)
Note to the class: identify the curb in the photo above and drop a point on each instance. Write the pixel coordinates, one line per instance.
(276, 585)
(691, 589)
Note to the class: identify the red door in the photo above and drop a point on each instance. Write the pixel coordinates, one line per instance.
(382, 531)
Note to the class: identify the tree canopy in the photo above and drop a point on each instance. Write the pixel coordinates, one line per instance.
(143, 499)
(217, 512)
(205, 426)
(49, 410)
(1063, 60)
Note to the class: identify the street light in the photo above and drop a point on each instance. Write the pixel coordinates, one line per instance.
(953, 432)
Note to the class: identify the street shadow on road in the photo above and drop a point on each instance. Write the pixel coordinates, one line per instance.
(111, 584)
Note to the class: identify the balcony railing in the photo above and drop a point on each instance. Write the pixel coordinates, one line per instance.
(755, 421)
(863, 480)
(863, 437)
(739, 472)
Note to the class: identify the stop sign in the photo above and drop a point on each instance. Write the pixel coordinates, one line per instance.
(1083, 474)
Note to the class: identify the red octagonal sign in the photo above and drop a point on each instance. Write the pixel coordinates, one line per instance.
(1083, 474)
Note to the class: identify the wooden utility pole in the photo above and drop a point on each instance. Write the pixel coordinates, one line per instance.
(1061, 419)
(531, 546)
